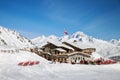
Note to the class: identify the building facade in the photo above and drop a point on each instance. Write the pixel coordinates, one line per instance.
(65, 52)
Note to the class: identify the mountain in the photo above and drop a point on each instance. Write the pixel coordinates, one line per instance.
(104, 48)
(13, 39)
(115, 42)
(39, 41)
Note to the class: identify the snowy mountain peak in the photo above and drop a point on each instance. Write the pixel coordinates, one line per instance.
(104, 48)
(52, 37)
(12, 38)
(43, 39)
(115, 42)
(79, 35)
(39, 38)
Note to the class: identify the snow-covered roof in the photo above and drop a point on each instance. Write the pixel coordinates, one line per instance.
(60, 49)
(96, 55)
(59, 44)
(78, 53)
(80, 45)
(63, 45)
(54, 42)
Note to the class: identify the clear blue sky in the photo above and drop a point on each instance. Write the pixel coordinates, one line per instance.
(32, 18)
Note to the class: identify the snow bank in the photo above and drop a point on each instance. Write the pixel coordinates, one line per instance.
(95, 55)
(9, 58)
(9, 70)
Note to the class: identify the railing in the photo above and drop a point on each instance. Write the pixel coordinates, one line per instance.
(9, 51)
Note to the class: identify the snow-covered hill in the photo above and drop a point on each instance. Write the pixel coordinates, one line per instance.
(9, 69)
(12, 38)
(104, 48)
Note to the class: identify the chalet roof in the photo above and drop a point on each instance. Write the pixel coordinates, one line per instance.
(79, 45)
(59, 44)
(60, 49)
(63, 45)
(78, 53)
(46, 53)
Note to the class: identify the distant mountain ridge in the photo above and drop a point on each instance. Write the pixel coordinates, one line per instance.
(115, 42)
(104, 48)
(13, 39)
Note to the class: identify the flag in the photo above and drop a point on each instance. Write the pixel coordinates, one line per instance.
(65, 32)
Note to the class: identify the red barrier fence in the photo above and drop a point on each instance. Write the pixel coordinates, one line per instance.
(102, 61)
(29, 63)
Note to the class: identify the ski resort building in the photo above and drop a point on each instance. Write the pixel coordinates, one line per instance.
(83, 48)
(65, 52)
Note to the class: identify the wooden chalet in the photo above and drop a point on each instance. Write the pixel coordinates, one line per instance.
(80, 49)
(76, 57)
(65, 52)
(73, 46)
(89, 50)
(56, 51)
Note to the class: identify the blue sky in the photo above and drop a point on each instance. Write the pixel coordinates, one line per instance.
(32, 18)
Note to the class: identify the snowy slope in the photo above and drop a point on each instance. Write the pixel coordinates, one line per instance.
(9, 70)
(104, 48)
(13, 38)
(39, 41)
(115, 42)
(15, 58)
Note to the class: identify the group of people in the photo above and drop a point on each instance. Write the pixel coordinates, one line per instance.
(98, 61)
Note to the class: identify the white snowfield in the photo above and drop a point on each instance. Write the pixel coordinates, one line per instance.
(9, 70)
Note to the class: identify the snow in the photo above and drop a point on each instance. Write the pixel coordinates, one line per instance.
(115, 42)
(95, 55)
(12, 38)
(118, 54)
(80, 45)
(9, 70)
(14, 58)
(104, 48)
(78, 53)
(59, 44)
(42, 40)
(7, 48)
(66, 46)
(60, 49)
